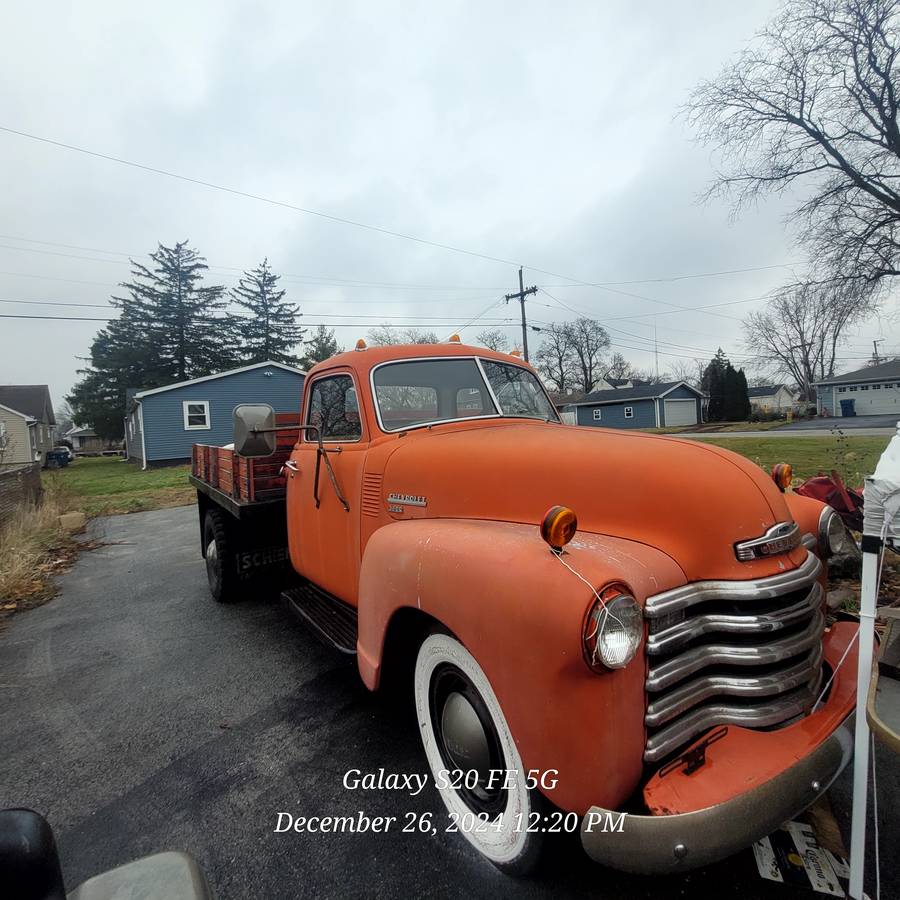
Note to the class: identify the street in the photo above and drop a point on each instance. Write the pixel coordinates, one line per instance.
(141, 716)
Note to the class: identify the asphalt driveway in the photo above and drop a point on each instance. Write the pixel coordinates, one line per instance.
(139, 716)
(848, 423)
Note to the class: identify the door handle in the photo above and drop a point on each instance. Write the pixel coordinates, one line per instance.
(291, 466)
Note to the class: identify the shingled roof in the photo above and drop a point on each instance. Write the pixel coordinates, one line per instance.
(31, 399)
(638, 392)
(884, 371)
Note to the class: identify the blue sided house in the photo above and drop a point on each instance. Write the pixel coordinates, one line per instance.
(162, 424)
(641, 406)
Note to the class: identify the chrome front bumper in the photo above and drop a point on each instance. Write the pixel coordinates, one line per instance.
(676, 843)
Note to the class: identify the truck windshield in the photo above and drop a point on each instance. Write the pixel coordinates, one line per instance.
(419, 392)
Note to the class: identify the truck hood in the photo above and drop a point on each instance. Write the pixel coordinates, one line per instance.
(693, 501)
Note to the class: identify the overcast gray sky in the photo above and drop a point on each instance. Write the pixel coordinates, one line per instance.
(537, 133)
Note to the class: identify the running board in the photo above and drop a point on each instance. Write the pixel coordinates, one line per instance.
(332, 620)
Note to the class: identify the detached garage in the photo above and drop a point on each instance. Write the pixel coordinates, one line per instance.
(641, 406)
(874, 391)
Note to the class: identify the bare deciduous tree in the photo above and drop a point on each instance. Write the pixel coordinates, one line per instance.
(813, 103)
(589, 342)
(800, 331)
(387, 335)
(619, 368)
(554, 358)
(688, 370)
(493, 339)
(651, 376)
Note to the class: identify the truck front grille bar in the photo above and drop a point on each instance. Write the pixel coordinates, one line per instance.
(732, 653)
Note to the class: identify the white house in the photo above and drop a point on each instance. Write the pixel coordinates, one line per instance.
(773, 398)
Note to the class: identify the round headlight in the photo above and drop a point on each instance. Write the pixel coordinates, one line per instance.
(612, 630)
(834, 539)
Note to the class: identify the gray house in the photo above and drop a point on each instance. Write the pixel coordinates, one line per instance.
(32, 402)
(875, 391)
(163, 424)
(640, 406)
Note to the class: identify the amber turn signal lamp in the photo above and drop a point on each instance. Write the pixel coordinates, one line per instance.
(782, 475)
(454, 339)
(558, 527)
(360, 344)
(516, 353)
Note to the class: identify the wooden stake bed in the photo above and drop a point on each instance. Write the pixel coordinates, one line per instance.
(244, 481)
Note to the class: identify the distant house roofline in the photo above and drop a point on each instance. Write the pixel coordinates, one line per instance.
(884, 371)
(623, 395)
(180, 384)
(32, 399)
(21, 415)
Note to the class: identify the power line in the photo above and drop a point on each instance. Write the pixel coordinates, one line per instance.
(402, 285)
(328, 216)
(247, 195)
(444, 323)
(380, 317)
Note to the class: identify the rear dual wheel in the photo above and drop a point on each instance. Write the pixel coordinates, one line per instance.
(463, 729)
(221, 564)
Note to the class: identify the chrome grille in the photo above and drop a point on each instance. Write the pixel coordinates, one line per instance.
(743, 653)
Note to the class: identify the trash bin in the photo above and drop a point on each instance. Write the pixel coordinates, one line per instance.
(848, 407)
(57, 459)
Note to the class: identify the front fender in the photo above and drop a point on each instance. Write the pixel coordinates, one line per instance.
(806, 512)
(519, 612)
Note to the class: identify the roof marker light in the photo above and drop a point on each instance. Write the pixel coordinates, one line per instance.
(361, 344)
(454, 339)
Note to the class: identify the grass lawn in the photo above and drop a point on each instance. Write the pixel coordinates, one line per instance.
(853, 457)
(107, 486)
(712, 428)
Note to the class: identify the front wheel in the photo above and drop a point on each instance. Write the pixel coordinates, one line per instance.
(464, 731)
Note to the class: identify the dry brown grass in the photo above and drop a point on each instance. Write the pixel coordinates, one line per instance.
(32, 547)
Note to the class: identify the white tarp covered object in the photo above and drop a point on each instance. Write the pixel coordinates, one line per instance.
(882, 495)
(881, 525)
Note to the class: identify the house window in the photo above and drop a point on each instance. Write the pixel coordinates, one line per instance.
(865, 387)
(196, 415)
(842, 390)
(876, 387)
(596, 415)
(629, 412)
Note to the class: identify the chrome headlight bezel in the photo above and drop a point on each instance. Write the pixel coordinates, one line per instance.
(613, 631)
(834, 539)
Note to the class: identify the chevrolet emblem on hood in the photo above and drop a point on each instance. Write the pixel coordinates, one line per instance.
(780, 538)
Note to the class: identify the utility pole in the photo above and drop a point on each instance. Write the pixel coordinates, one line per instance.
(876, 359)
(520, 296)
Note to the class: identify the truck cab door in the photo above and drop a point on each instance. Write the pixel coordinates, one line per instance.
(323, 536)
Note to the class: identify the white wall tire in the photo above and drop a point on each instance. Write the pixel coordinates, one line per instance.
(509, 846)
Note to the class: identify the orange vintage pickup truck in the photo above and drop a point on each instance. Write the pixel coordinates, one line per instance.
(591, 622)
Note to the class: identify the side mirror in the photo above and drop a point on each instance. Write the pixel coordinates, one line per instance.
(254, 429)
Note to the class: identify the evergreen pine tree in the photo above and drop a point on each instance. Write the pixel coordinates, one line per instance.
(742, 400)
(271, 331)
(183, 320)
(713, 384)
(170, 328)
(321, 346)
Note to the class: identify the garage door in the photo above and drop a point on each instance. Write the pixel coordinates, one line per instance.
(681, 412)
(876, 399)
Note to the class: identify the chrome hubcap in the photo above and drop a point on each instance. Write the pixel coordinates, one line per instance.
(212, 562)
(464, 736)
